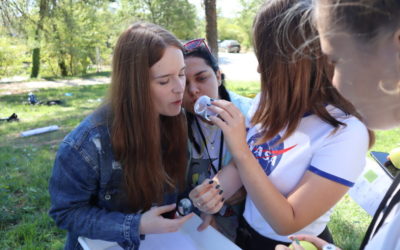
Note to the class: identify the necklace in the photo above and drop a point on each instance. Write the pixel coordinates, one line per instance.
(210, 133)
(221, 149)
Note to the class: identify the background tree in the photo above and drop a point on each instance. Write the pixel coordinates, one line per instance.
(72, 37)
(245, 19)
(210, 7)
(43, 6)
(178, 16)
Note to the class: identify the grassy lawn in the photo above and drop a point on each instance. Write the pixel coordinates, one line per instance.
(26, 163)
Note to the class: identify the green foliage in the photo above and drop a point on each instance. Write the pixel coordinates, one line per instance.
(228, 30)
(178, 16)
(13, 55)
(79, 35)
(74, 35)
(246, 18)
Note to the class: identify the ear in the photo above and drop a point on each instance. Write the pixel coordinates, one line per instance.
(219, 77)
(396, 42)
(396, 39)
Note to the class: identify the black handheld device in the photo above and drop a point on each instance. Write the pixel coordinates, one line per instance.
(381, 159)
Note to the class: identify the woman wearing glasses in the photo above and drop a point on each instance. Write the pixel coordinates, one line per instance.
(307, 146)
(208, 151)
(121, 168)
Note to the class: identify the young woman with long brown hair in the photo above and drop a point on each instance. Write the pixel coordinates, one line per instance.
(307, 143)
(123, 166)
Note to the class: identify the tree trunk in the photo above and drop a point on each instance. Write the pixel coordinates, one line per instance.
(35, 63)
(36, 51)
(63, 67)
(210, 7)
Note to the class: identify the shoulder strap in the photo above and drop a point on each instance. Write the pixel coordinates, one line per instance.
(383, 207)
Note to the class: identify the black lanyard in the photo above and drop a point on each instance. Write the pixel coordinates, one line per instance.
(383, 208)
(221, 147)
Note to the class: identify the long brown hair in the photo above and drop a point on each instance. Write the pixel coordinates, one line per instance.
(366, 19)
(152, 150)
(295, 75)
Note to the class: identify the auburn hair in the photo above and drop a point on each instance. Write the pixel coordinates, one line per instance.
(152, 149)
(296, 77)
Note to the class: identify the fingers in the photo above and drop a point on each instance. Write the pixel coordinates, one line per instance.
(211, 197)
(205, 192)
(175, 224)
(212, 207)
(200, 189)
(318, 242)
(183, 219)
(296, 246)
(151, 222)
(164, 209)
(228, 114)
(281, 247)
(228, 106)
(207, 197)
(206, 221)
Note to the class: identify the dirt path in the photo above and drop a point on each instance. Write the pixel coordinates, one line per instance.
(11, 88)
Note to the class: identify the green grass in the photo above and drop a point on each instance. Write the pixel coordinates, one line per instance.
(26, 163)
(249, 89)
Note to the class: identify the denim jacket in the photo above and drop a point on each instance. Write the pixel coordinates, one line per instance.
(85, 188)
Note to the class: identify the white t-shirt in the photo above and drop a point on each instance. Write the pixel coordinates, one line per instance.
(212, 135)
(338, 156)
(388, 236)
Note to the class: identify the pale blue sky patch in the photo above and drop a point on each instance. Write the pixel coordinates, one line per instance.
(228, 8)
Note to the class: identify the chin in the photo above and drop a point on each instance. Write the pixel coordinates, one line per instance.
(172, 113)
(382, 123)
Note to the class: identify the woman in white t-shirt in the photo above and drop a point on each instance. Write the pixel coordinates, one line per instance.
(307, 145)
(362, 39)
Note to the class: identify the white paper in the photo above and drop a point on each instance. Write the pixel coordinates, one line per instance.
(187, 238)
(39, 130)
(370, 187)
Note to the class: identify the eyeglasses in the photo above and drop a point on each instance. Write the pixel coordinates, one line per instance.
(194, 44)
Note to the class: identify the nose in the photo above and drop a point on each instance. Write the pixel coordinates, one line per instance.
(179, 85)
(192, 88)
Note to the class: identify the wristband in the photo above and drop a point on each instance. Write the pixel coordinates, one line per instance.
(329, 247)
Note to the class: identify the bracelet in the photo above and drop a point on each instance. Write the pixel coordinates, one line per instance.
(329, 247)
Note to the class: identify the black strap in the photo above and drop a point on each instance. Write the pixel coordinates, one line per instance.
(386, 212)
(383, 207)
(221, 147)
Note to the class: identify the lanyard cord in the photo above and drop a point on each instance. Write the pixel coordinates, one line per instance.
(221, 147)
(382, 208)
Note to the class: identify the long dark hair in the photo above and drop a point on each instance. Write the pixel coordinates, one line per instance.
(152, 151)
(210, 60)
(295, 75)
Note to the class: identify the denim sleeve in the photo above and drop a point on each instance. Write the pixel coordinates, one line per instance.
(72, 186)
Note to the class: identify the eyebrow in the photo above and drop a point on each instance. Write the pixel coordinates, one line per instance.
(200, 72)
(166, 75)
